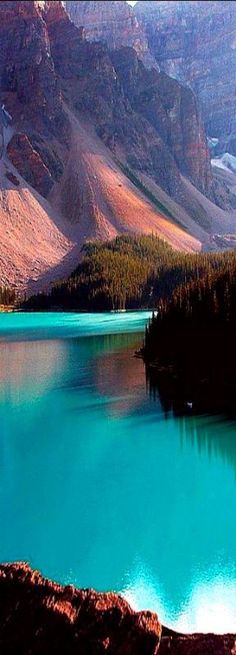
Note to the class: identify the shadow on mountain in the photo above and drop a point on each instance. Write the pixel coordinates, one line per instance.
(58, 271)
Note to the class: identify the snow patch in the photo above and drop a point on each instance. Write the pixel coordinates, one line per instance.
(212, 142)
(226, 161)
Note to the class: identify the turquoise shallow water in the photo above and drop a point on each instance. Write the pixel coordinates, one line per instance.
(98, 487)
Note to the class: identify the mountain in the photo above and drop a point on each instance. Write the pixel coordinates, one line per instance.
(96, 145)
(195, 42)
(112, 22)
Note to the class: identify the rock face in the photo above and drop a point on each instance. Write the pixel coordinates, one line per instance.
(148, 117)
(29, 163)
(30, 89)
(171, 109)
(195, 42)
(38, 617)
(29, 86)
(112, 22)
(153, 120)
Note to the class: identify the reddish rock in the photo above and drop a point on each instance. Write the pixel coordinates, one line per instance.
(31, 91)
(39, 617)
(197, 644)
(29, 84)
(112, 22)
(29, 163)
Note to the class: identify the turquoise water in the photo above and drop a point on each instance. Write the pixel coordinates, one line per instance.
(98, 487)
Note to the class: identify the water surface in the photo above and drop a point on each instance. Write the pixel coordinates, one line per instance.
(98, 486)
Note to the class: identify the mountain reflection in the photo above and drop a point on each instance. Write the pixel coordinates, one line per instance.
(119, 376)
(27, 369)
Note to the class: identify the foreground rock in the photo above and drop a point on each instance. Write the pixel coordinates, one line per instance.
(196, 644)
(40, 617)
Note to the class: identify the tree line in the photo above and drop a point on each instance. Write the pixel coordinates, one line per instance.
(189, 345)
(126, 273)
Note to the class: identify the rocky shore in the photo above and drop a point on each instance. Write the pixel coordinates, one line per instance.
(40, 617)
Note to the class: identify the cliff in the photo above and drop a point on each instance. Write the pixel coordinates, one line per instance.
(112, 22)
(146, 119)
(40, 617)
(29, 86)
(195, 43)
(153, 119)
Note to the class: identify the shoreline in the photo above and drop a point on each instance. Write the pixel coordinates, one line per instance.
(6, 309)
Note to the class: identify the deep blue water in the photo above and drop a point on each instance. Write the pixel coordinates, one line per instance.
(98, 487)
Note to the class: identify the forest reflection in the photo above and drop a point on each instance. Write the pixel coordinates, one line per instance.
(119, 376)
(211, 433)
(215, 435)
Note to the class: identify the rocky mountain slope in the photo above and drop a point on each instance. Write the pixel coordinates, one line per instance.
(97, 145)
(195, 42)
(40, 617)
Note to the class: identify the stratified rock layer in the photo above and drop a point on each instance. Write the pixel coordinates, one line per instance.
(195, 42)
(112, 22)
(39, 617)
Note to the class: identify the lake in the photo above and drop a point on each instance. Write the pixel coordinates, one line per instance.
(98, 486)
